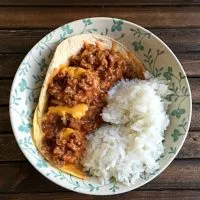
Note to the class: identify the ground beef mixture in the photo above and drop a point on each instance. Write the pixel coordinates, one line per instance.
(102, 68)
(109, 65)
(67, 90)
(59, 149)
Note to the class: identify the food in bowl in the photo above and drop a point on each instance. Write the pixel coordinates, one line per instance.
(74, 93)
(131, 142)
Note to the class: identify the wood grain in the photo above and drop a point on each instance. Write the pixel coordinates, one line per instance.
(191, 63)
(24, 22)
(12, 153)
(20, 41)
(10, 62)
(139, 195)
(179, 40)
(96, 2)
(51, 17)
(195, 89)
(4, 120)
(5, 86)
(195, 125)
(22, 177)
(132, 195)
(190, 148)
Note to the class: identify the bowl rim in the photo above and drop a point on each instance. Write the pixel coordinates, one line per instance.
(129, 188)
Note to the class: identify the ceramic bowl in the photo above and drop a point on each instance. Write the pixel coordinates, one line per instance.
(158, 59)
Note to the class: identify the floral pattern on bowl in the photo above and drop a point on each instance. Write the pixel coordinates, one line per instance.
(159, 61)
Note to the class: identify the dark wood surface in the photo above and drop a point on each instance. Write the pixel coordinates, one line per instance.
(97, 2)
(24, 22)
(147, 16)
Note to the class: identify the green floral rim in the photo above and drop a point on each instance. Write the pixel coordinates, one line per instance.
(159, 61)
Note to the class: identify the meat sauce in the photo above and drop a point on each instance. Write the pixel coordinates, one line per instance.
(91, 74)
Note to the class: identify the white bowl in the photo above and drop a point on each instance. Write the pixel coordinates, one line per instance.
(156, 56)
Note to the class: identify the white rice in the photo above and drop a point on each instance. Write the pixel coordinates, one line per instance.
(132, 143)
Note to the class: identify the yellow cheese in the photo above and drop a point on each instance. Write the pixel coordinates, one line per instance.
(77, 111)
(65, 133)
(72, 71)
(75, 71)
(73, 170)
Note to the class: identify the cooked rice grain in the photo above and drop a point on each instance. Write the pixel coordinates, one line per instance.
(131, 143)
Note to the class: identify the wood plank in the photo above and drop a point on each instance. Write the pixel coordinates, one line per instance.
(96, 2)
(191, 63)
(132, 195)
(190, 148)
(13, 152)
(180, 40)
(10, 62)
(22, 177)
(195, 89)
(5, 86)
(51, 17)
(21, 41)
(181, 174)
(5, 120)
(195, 125)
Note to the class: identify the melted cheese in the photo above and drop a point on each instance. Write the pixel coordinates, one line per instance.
(74, 72)
(77, 111)
(74, 170)
(66, 132)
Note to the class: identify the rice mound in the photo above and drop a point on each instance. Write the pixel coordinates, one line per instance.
(131, 143)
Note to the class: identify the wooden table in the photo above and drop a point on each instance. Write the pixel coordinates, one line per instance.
(23, 23)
